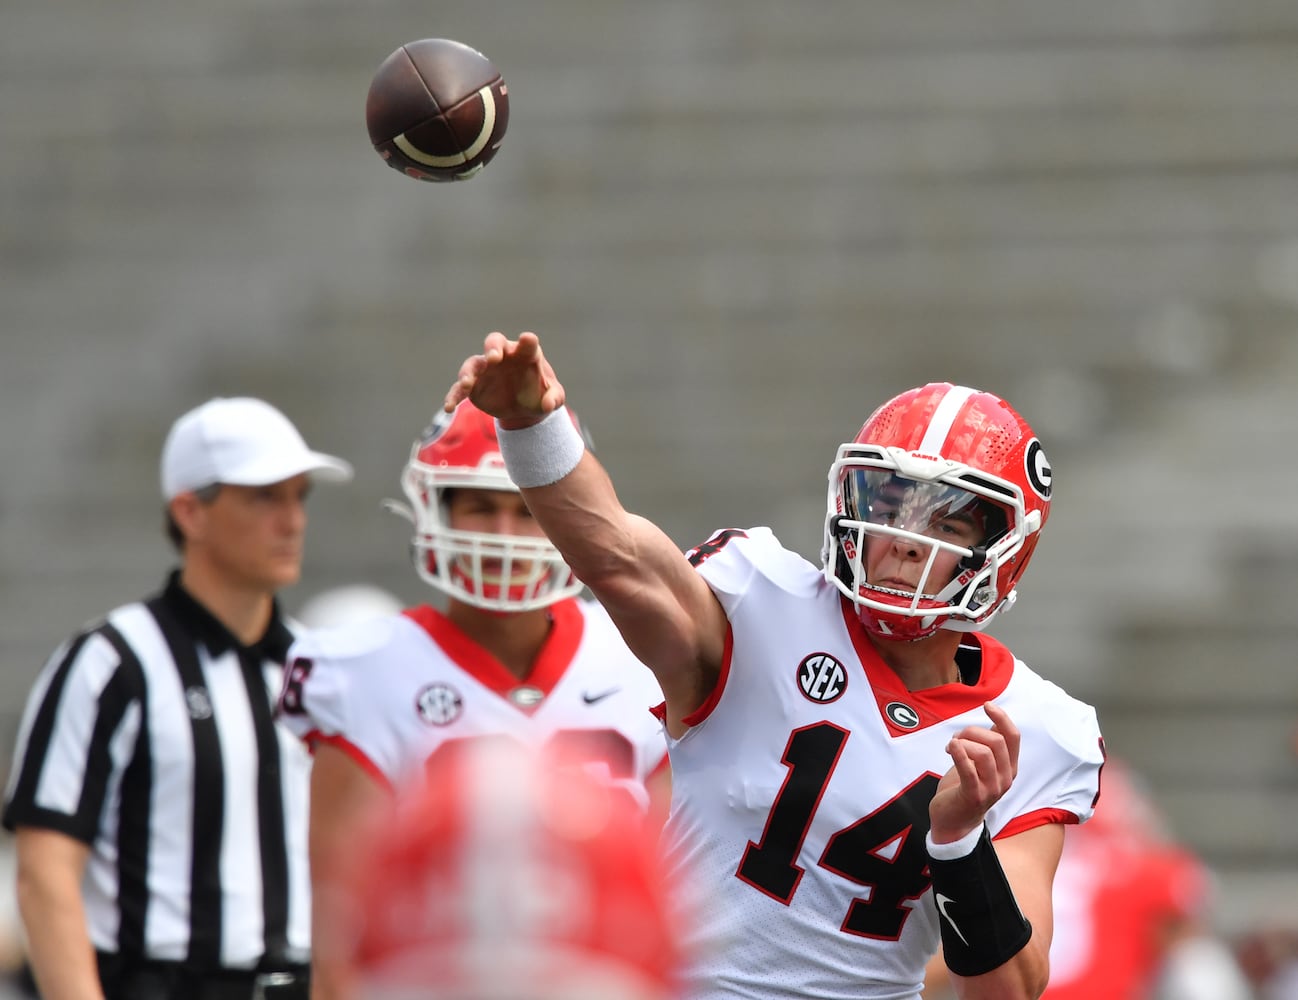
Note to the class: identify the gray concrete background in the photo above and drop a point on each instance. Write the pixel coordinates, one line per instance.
(738, 226)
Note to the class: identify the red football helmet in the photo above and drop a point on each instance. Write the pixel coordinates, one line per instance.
(934, 511)
(508, 877)
(507, 573)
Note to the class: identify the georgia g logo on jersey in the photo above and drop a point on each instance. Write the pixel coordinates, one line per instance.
(901, 715)
(821, 678)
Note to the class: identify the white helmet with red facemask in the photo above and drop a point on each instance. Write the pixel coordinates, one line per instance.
(934, 511)
(497, 572)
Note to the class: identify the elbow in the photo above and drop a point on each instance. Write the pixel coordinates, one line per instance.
(33, 884)
(32, 878)
(1034, 972)
(1036, 985)
(1023, 977)
(602, 574)
(613, 572)
(1031, 971)
(26, 891)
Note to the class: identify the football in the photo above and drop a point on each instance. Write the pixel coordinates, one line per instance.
(437, 110)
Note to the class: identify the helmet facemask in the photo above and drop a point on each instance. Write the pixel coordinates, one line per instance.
(495, 572)
(919, 543)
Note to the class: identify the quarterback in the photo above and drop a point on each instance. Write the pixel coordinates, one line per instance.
(859, 772)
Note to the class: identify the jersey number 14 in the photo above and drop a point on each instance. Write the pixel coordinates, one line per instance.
(883, 851)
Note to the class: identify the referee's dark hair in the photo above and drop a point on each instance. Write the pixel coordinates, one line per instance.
(206, 495)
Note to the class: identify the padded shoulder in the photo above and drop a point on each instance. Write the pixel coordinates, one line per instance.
(1066, 745)
(330, 670)
(356, 640)
(733, 559)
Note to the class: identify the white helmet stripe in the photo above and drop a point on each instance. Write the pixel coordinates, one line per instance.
(940, 426)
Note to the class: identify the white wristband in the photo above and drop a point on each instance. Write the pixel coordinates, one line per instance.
(543, 453)
(957, 848)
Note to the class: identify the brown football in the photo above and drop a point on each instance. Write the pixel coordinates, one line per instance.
(437, 110)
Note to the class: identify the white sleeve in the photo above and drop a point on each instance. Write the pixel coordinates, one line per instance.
(1060, 757)
(84, 710)
(340, 687)
(730, 559)
(313, 701)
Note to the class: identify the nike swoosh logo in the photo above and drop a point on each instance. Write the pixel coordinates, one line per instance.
(591, 699)
(942, 903)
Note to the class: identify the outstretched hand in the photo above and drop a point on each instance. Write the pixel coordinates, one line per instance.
(511, 380)
(985, 763)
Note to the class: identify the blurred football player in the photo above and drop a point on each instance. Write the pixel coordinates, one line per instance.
(505, 876)
(515, 652)
(857, 770)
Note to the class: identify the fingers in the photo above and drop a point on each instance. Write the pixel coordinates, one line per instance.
(984, 765)
(464, 382)
(495, 347)
(1003, 724)
(525, 350)
(987, 759)
(525, 382)
(984, 770)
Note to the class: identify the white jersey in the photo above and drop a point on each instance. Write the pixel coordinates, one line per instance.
(391, 691)
(801, 789)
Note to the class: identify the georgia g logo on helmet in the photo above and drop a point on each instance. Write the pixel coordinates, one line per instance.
(960, 476)
(1037, 467)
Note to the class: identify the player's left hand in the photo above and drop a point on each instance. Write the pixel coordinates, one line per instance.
(985, 763)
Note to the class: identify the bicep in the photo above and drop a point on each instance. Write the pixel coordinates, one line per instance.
(664, 610)
(344, 796)
(48, 859)
(345, 800)
(668, 614)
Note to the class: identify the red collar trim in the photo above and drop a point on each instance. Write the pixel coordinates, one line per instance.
(568, 626)
(932, 705)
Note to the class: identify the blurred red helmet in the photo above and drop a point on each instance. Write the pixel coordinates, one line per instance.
(505, 573)
(510, 878)
(1125, 810)
(956, 483)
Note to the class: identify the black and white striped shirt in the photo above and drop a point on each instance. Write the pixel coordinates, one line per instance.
(150, 736)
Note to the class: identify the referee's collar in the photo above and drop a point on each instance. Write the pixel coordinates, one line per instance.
(205, 627)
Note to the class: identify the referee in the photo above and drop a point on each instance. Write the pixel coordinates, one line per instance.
(160, 812)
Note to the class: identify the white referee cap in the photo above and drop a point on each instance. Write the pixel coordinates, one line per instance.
(242, 442)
